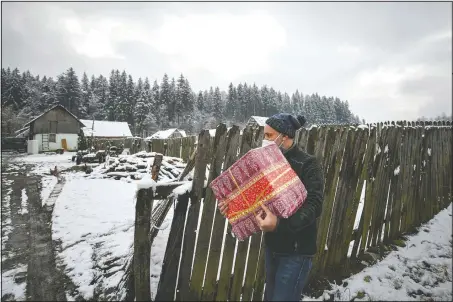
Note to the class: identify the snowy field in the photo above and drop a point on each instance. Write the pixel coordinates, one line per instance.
(420, 271)
(94, 220)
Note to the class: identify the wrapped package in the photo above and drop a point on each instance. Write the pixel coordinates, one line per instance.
(261, 176)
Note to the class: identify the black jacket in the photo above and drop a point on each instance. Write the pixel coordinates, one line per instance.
(297, 234)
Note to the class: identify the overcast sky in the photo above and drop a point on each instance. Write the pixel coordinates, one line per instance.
(391, 61)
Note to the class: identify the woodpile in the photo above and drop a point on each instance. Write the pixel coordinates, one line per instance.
(137, 165)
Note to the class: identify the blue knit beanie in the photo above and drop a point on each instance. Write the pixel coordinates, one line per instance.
(286, 124)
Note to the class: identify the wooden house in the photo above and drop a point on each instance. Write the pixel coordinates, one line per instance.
(57, 128)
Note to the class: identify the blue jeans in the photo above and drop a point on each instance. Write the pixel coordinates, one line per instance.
(286, 276)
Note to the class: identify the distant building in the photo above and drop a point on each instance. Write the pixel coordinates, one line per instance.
(57, 128)
(169, 133)
(257, 121)
(106, 130)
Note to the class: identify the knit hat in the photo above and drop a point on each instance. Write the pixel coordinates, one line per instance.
(286, 123)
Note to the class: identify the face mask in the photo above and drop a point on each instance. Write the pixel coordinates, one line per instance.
(268, 142)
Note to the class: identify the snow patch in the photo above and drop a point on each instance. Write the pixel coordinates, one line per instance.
(421, 270)
(396, 171)
(146, 183)
(24, 202)
(183, 189)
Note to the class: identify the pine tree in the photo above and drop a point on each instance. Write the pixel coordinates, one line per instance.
(273, 105)
(286, 103)
(85, 97)
(256, 100)
(130, 100)
(231, 102)
(217, 105)
(141, 113)
(165, 98)
(102, 95)
(68, 91)
(122, 101)
(241, 103)
(180, 98)
(265, 100)
(200, 101)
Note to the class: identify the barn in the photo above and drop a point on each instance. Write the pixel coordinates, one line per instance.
(257, 121)
(57, 128)
(169, 133)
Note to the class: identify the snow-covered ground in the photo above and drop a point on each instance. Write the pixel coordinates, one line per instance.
(420, 271)
(94, 220)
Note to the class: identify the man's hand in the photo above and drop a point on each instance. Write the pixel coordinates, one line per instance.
(269, 222)
(223, 208)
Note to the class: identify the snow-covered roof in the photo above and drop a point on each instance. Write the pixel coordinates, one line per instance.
(163, 134)
(260, 120)
(106, 129)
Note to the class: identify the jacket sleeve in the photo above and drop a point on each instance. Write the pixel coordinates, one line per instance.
(313, 179)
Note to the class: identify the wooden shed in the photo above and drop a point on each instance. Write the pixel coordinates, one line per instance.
(57, 128)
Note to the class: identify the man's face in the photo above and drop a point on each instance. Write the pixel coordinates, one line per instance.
(271, 134)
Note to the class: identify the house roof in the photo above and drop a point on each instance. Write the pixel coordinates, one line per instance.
(260, 120)
(163, 134)
(52, 108)
(106, 129)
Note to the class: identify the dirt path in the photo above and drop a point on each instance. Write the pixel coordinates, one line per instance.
(29, 271)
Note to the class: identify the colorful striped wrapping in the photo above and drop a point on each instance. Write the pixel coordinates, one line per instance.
(261, 176)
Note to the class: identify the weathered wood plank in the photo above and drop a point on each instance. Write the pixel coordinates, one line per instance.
(312, 139)
(415, 209)
(385, 186)
(380, 190)
(395, 142)
(331, 183)
(341, 202)
(260, 278)
(255, 242)
(242, 246)
(302, 138)
(196, 194)
(142, 245)
(407, 183)
(424, 177)
(158, 145)
(322, 226)
(354, 184)
(210, 286)
(369, 152)
(170, 266)
(209, 207)
(368, 204)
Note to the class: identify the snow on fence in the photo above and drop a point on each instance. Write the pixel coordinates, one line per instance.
(203, 261)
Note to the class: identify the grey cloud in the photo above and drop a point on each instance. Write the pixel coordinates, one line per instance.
(388, 34)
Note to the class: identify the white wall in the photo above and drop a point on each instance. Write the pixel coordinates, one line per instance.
(71, 141)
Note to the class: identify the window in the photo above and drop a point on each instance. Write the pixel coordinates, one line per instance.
(52, 138)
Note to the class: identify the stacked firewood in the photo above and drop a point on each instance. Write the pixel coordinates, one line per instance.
(136, 165)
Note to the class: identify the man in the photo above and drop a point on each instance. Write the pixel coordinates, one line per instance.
(290, 243)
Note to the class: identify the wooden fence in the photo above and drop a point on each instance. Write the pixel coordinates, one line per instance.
(14, 144)
(406, 171)
(176, 147)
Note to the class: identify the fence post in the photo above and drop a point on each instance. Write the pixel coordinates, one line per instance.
(142, 244)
